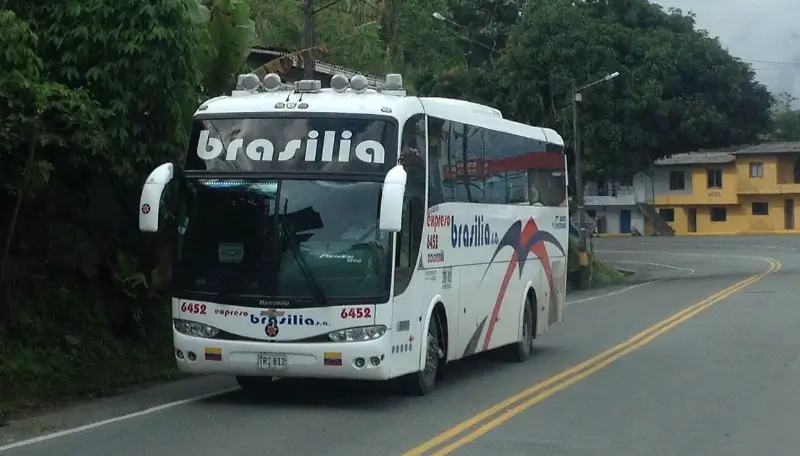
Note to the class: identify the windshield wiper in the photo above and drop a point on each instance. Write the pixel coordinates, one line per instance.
(301, 262)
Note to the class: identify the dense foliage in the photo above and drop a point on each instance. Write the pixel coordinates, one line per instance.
(88, 108)
(679, 90)
(786, 121)
(94, 93)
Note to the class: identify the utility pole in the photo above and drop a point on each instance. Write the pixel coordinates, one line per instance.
(576, 97)
(307, 6)
(578, 171)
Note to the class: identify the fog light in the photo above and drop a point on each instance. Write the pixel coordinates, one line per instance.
(360, 362)
(375, 360)
(192, 356)
(178, 354)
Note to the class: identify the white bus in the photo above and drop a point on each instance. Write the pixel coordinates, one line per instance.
(358, 233)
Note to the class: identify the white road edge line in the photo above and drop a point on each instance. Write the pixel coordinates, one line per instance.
(691, 271)
(97, 424)
(631, 287)
(605, 295)
(656, 252)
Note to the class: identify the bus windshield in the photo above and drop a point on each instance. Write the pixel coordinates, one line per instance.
(261, 240)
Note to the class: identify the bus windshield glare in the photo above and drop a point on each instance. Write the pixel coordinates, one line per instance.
(270, 236)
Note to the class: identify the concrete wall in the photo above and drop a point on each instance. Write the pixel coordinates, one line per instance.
(661, 181)
(612, 216)
(739, 217)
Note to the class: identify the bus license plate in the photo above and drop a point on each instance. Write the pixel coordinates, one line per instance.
(271, 361)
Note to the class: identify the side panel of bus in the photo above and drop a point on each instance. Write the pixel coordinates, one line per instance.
(496, 221)
(478, 260)
(496, 253)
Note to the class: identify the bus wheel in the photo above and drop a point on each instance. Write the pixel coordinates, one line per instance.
(255, 385)
(423, 382)
(522, 350)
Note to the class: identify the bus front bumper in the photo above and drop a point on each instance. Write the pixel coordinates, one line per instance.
(312, 360)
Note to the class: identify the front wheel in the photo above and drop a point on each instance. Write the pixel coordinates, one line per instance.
(423, 382)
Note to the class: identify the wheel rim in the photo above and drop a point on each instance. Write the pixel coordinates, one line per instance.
(431, 356)
(527, 339)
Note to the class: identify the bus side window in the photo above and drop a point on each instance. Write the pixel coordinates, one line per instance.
(409, 238)
(435, 166)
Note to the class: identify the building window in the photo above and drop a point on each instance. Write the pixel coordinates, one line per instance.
(667, 214)
(756, 169)
(718, 214)
(714, 178)
(677, 180)
(760, 209)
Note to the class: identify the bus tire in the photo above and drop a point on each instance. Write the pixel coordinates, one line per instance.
(423, 382)
(257, 386)
(523, 349)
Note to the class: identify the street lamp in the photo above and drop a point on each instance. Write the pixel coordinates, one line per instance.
(441, 17)
(576, 97)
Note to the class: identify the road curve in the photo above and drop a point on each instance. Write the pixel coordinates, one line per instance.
(698, 355)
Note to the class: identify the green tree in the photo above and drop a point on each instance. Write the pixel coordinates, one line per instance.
(35, 116)
(785, 120)
(145, 73)
(679, 90)
(484, 26)
(228, 36)
(93, 94)
(348, 30)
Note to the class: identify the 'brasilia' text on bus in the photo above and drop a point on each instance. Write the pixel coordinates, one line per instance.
(475, 234)
(260, 149)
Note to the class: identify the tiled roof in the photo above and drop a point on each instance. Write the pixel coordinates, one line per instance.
(771, 148)
(727, 154)
(320, 66)
(697, 158)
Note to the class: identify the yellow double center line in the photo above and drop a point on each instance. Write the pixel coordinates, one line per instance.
(492, 417)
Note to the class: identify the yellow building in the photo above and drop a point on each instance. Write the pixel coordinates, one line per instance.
(750, 190)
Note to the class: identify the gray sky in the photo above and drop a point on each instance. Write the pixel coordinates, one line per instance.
(764, 32)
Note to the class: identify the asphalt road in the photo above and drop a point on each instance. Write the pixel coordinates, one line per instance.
(715, 380)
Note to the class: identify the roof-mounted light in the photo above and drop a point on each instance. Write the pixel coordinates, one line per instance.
(359, 83)
(339, 82)
(394, 81)
(272, 82)
(308, 86)
(248, 82)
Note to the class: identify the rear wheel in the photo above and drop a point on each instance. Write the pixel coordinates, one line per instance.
(423, 382)
(255, 385)
(522, 350)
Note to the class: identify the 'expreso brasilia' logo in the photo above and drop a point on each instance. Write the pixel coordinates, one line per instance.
(475, 234)
(261, 149)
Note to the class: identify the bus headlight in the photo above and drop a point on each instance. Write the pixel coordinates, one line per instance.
(359, 334)
(191, 328)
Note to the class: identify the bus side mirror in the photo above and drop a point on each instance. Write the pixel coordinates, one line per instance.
(151, 197)
(394, 189)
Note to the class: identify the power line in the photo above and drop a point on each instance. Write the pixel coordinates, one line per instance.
(779, 69)
(772, 62)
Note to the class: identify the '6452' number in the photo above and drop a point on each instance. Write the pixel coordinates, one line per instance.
(193, 308)
(356, 312)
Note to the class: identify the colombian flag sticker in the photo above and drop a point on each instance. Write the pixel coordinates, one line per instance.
(213, 354)
(332, 359)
